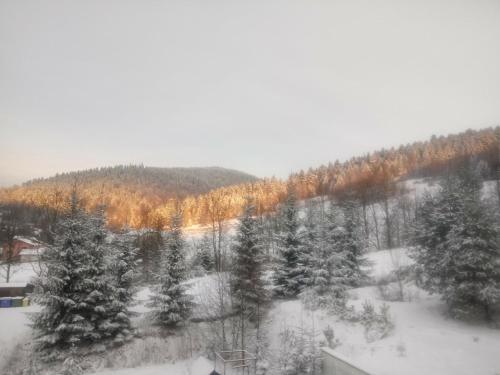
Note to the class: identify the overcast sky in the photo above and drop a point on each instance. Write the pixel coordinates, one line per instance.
(267, 87)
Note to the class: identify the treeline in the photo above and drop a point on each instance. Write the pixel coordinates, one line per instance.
(133, 199)
(370, 178)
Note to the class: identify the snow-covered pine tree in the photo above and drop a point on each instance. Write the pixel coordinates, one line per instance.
(170, 304)
(332, 273)
(74, 293)
(472, 267)
(310, 251)
(352, 241)
(204, 253)
(247, 279)
(436, 216)
(458, 247)
(123, 273)
(289, 276)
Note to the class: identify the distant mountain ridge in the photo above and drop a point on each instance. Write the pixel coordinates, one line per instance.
(140, 197)
(169, 181)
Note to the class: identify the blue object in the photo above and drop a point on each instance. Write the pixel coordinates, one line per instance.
(5, 302)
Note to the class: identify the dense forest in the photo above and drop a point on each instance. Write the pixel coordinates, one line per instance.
(146, 197)
(129, 192)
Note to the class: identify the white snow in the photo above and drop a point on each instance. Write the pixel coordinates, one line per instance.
(12, 285)
(14, 329)
(20, 272)
(381, 263)
(431, 344)
(199, 366)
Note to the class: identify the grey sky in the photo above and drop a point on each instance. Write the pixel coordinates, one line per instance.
(267, 87)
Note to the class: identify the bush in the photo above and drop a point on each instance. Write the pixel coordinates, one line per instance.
(299, 352)
(335, 303)
(377, 325)
(330, 337)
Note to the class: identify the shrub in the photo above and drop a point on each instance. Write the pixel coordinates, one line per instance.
(377, 325)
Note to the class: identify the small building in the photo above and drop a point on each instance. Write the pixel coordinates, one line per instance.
(15, 289)
(24, 249)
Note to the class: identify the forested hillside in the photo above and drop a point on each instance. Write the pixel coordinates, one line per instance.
(129, 192)
(146, 197)
(369, 178)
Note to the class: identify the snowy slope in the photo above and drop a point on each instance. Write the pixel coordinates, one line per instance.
(424, 340)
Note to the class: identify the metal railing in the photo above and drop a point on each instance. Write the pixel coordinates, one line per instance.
(234, 361)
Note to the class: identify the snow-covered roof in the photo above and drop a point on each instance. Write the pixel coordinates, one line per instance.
(30, 241)
(34, 251)
(13, 285)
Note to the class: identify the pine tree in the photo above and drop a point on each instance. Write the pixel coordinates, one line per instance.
(472, 276)
(204, 253)
(336, 257)
(351, 242)
(247, 280)
(311, 239)
(170, 304)
(333, 271)
(289, 276)
(457, 250)
(76, 299)
(123, 266)
(437, 215)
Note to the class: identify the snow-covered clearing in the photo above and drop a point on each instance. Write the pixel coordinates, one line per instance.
(424, 341)
(199, 366)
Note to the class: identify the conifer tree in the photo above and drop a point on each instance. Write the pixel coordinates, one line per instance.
(289, 276)
(170, 304)
(204, 253)
(457, 251)
(247, 281)
(335, 262)
(351, 243)
(471, 271)
(310, 252)
(74, 293)
(123, 272)
(437, 215)
(333, 271)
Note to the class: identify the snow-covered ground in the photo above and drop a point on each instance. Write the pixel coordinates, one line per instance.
(20, 272)
(424, 341)
(199, 366)
(14, 329)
